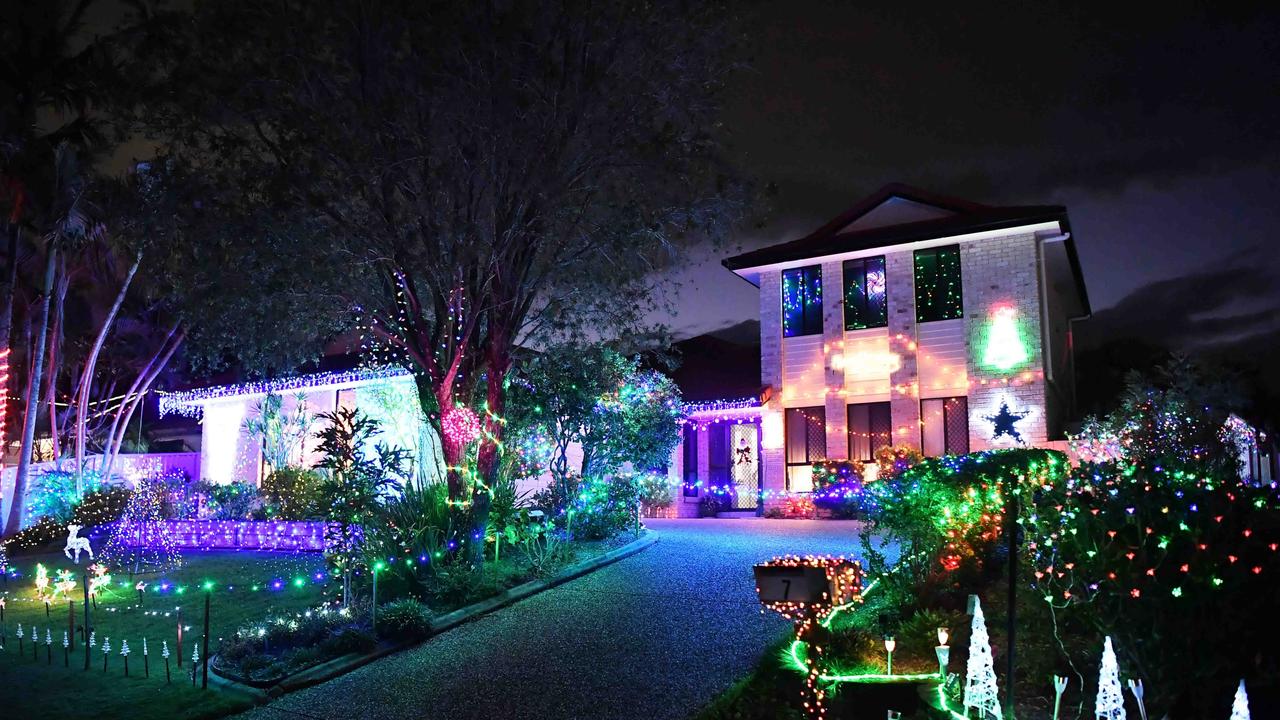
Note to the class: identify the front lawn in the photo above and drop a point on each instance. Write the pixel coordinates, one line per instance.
(243, 587)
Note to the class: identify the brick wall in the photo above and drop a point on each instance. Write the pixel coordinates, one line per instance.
(904, 400)
(1004, 271)
(773, 477)
(833, 344)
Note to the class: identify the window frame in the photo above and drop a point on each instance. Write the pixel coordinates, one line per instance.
(810, 457)
(960, 446)
(688, 469)
(935, 309)
(810, 278)
(871, 408)
(857, 269)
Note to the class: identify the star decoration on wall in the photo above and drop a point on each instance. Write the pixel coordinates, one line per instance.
(1003, 423)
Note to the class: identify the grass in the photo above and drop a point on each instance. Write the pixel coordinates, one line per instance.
(55, 691)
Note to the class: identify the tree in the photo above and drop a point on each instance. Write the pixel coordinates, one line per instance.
(484, 173)
(980, 675)
(1110, 701)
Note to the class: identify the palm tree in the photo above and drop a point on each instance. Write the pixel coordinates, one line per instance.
(47, 91)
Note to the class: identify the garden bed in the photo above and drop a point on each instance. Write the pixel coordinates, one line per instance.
(591, 556)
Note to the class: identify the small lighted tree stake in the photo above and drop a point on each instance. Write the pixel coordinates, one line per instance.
(106, 652)
(124, 653)
(195, 660)
(66, 647)
(48, 646)
(146, 669)
(21, 651)
(980, 690)
(164, 653)
(1240, 706)
(1110, 702)
(806, 590)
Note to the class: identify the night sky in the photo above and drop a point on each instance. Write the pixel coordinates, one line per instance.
(1157, 130)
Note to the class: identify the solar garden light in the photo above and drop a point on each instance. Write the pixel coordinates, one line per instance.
(889, 645)
(944, 652)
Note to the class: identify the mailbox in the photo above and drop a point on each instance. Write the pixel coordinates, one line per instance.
(808, 581)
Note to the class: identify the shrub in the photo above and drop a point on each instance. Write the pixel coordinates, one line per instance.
(837, 486)
(53, 495)
(292, 493)
(544, 548)
(708, 506)
(405, 619)
(350, 639)
(655, 491)
(605, 507)
(893, 460)
(235, 501)
(101, 507)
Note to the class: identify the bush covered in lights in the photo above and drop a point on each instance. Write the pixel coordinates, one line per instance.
(265, 652)
(604, 507)
(944, 515)
(837, 486)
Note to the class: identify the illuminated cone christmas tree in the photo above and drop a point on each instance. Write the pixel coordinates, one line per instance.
(1110, 702)
(140, 540)
(1240, 707)
(980, 674)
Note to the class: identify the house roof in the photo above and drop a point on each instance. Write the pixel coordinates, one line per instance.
(898, 214)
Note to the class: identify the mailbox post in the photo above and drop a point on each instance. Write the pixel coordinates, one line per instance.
(805, 590)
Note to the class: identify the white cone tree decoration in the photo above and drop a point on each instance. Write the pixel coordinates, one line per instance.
(1240, 706)
(980, 673)
(1110, 702)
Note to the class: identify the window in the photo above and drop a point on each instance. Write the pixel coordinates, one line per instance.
(806, 444)
(802, 301)
(944, 426)
(718, 457)
(870, 427)
(939, 295)
(690, 483)
(864, 294)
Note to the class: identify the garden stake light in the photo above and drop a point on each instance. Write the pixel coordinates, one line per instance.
(943, 652)
(889, 645)
(1059, 687)
(1135, 687)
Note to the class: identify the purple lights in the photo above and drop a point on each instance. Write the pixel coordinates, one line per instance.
(294, 536)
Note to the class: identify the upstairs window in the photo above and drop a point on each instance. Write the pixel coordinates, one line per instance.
(939, 295)
(802, 301)
(864, 294)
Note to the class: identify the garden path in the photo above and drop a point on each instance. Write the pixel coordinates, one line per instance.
(654, 636)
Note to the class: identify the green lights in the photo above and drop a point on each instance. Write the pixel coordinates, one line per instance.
(1005, 348)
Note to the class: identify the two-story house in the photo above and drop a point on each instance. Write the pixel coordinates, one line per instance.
(911, 319)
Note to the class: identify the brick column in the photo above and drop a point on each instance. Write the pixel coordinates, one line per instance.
(773, 469)
(833, 343)
(904, 394)
(1004, 271)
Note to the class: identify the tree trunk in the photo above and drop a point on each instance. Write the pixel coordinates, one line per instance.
(487, 461)
(10, 283)
(55, 359)
(90, 365)
(149, 375)
(32, 399)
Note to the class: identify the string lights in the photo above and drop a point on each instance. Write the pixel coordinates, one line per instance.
(191, 402)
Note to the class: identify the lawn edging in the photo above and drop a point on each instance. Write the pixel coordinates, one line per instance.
(346, 663)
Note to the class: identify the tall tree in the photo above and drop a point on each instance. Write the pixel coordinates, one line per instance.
(48, 86)
(486, 174)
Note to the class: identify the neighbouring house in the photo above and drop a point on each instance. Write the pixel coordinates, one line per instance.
(910, 319)
(231, 451)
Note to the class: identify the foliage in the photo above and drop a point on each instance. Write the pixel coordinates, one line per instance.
(1170, 418)
(654, 490)
(292, 493)
(1146, 557)
(604, 508)
(404, 619)
(544, 548)
(54, 495)
(233, 501)
(356, 484)
(837, 486)
(598, 398)
(556, 497)
(893, 460)
(101, 507)
(418, 524)
(943, 515)
(267, 651)
(282, 434)
(708, 506)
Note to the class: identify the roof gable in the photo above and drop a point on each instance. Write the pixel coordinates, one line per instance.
(896, 210)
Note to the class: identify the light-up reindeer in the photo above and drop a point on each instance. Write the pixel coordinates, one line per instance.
(808, 591)
(77, 543)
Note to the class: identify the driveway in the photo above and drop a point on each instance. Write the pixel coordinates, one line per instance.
(654, 636)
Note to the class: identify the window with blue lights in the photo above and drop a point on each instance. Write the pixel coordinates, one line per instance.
(690, 482)
(939, 295)
(802, 301)
(865, 304)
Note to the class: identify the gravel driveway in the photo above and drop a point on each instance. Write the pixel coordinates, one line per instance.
(654, 636)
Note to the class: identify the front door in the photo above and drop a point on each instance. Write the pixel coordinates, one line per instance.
(744, 466)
